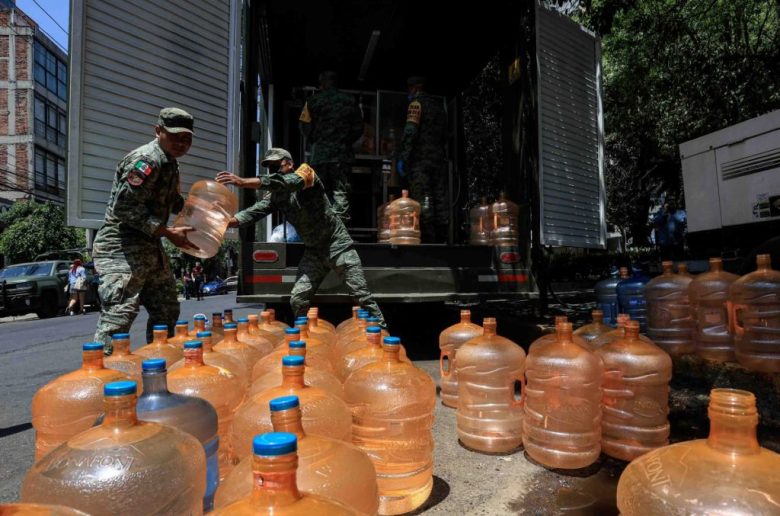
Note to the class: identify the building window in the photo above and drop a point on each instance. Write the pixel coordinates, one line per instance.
(51, 122)
(50, 72)
(49, 172)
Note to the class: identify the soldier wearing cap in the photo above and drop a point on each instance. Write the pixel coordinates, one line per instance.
(301, 195)
(421, 159)
(127, 250)
(332, 122)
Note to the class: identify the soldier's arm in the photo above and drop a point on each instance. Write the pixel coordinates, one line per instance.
(255, 212)
(413, 114)
(135, 193)
(304, 177)
(304, 121)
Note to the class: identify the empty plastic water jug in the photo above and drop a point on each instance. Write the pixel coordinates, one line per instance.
(552, 337)
(606, 296)
(631, 297)
(669, 321)
(208, 209)
(269, 325)
(481, 227)
(368, 354)
(314, 314)
(230, 345)
(227, 316)
(346, 324)
(505, 221)
(404, 215)
(317, 357)
(160, 347)
(358, 340)
(274, 321)
(38, 509)
(592, 331)
(450, 340)
(708, 294)
(313, 376)
(122, 359)
(254, 329)
(383, 221)
(198, 324)
(217, 330)
(181, 334)
(260, 343)
(216, 359)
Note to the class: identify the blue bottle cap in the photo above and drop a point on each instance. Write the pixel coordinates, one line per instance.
(243, 319)
(182, 322)
(160, 327)
(372, 319)
(284, 403)
(231, 326)
(120, 336)
(199, 317)
(374, 329)
(296, 344)
(193, 344)
(362, 315)
(292, 361)
(292, 331)
(153, 364)
(274, 444)
(202, 334)
(92, 346)
(119, 388)
(392, 341)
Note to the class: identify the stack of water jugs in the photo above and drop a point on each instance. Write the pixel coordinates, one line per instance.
(241, 417)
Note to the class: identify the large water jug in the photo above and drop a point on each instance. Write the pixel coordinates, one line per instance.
(755, 317)
(383, 221)
(254, 329)
(269, 325)
(631, 297)
(490, 384)
(359, 340)
(302, 324)
(320, 331)
(346, 324)
(592, 331)
(562, 421)
(314, 375)
(122, 359)
(481, 223)
(198, 324)
(217, 386)
(71, 403)
(553, 337)
(208, 209)
(669, 321)
(370, 353)
(230, 345)
(323, 413)
(404, 215)
(392, 406)
(195, 416)
(216, 359)
(275, 487)
(181, 334)
(708, 294)
(450, 340)
(38, 509)
(606, 296)
(326, 467)
(314, 314)
(317, 357)
(727, 473)
(123, 466)
(355, 330)
(274, 321)
(227, 316)
(260, 343)
(636, 396)
(160, 347)
(618, 333)
(505, 221)
(217, 329)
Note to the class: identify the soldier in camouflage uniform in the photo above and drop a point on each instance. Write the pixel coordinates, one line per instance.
(301, 196)
(422, 159)
(332, 122)
(127, 250)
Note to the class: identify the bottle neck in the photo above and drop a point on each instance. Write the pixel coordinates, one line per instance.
(199, 324)
(193, 357)
(289, 337)
(92, 359)
(598, 317)
(228, 317)
(489, 327)
(242, 327)
(160, 337)
(374, 340)
(182, 331)
(292, 376)
(274, 483)
(296, 352)
(253, 326)
(465, 316)
(121, 347)
(716, 265)
(230, 335)
(733, 422)
(120, 411)
(390, 353)
(155, 382)
(208, 344)
(288, 421)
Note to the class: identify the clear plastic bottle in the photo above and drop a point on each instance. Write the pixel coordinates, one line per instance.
(392, 405)
(254, 329)
(562, 420)
(261, 344)
(755, 317)
(727, 473)
(160, 347)
(317, 357)
(383, 221)
(505, 221)
(123, 466)
(122, 360)
(636, 396)
(217, 330)
(323, 413)
(71, 403)
(189, 414)
(553, 337)
(490, 384)
(606, 296)
(368, 354)
(181, 334)
(326, 467)
(313, 376)
(631, 296)
(230, 345)
(208, 208)
(481, 223)
(198, 325)
(38, 509)
(267, 324)
(217, 386)
(450, 340)
(669, 321)
(708, 294)
(592, 331)
(216, 359)
(274, 485)
(314, 314)
(404, 215)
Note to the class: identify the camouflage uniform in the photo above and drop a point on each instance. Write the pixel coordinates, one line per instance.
(328, 246)
(331, 120)
(133, 268)
(422, 148)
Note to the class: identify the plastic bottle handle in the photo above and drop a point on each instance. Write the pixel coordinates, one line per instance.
(521, 401)
(450, 356)
(733, 308)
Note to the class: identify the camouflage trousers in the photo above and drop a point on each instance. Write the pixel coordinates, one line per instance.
(315, 266)
(335, 177)
(126, 283)
(428, 186)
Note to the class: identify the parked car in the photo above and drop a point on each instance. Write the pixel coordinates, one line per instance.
(39, 287)
(231, 282)
(215, 287)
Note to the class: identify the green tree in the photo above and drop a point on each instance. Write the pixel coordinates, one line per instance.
(30, 228)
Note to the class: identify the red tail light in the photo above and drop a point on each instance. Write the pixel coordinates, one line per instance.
(509, 257)
(265, 256)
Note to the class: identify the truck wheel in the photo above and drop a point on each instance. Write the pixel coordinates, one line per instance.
(48, 307)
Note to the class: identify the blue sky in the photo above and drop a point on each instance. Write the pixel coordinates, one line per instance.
(58, 9)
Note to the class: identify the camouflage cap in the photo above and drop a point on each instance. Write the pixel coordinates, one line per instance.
(275, 154)
(175, 120)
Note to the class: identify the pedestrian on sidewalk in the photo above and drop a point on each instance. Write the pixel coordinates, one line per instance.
(77, 288)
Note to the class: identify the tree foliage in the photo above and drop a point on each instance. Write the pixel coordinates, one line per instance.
(31, 228)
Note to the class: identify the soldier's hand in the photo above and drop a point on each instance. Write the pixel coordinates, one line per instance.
(178, 237)
(229, 178)
(233, 222)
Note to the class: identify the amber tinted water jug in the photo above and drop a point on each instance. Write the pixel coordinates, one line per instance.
(314, 374)
(490, 369)
(368, 354)
(317, 357)
(708, 294)
(727, 473)
(123, 466)
(160, 347)
(326, 467)
(254, 329)
(122, 359)
(669, 321)
(216, 359)
(230, 345)
(198, 324)
(481, 217)
(181, 334)
(314, 314)
(383, 221)
(71, 403)
(38, 509)
(268, 324)
(257, 341)
(552, 337)
(631, 295)
(562, 420)
(392, 405)
(755, 317)
(636, 396)
(208, 209)
(346, 324)
(450, 340)
(217, 330)
(404, 215)
(592, 331)
(505, 221)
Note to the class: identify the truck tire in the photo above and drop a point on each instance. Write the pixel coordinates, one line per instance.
(49, 307)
